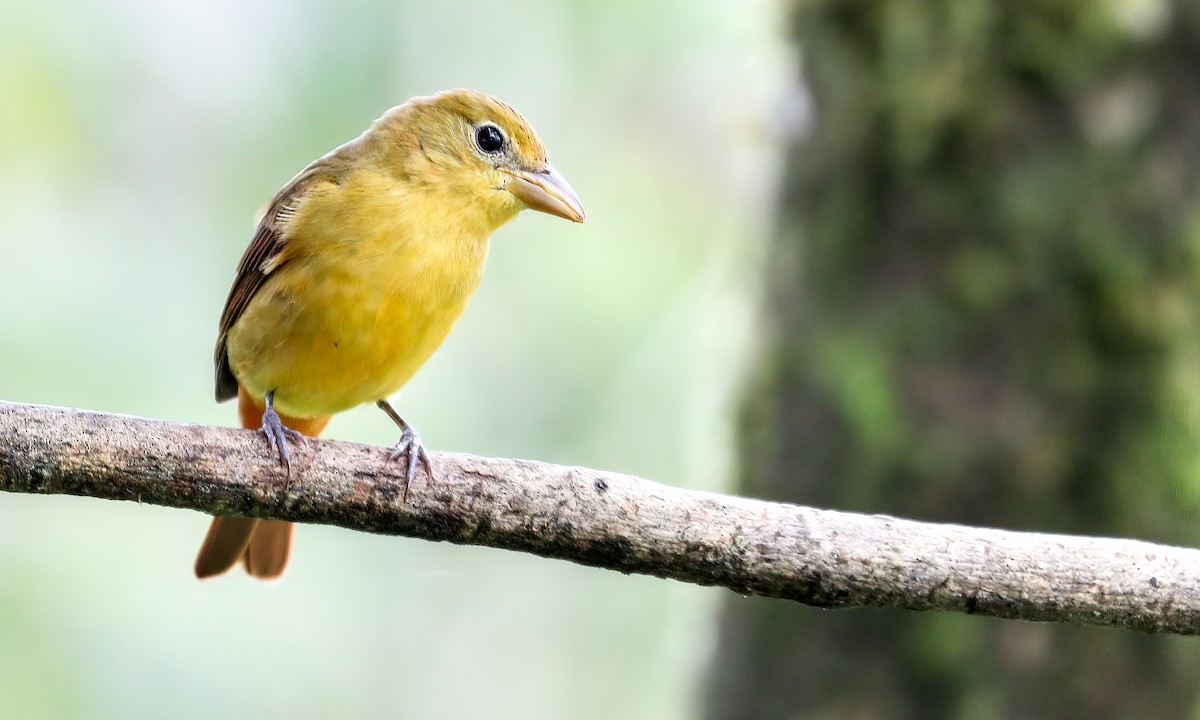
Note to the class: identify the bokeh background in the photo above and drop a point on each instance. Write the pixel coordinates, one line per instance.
(975, 232)
(983, 308)
(137, 142)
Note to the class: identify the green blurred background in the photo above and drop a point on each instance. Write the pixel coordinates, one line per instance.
(137, 141)
(982, 306)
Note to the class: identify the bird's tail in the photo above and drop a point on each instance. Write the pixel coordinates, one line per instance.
(263, 546)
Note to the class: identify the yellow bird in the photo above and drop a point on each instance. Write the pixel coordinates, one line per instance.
(359, 268)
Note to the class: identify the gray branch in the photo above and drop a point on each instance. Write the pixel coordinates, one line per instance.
(818, 557)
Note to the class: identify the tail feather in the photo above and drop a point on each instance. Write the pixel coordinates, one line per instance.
(268, 552)
(263, 546)
(227, 541)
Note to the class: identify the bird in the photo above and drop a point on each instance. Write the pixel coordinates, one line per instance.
(358, 269)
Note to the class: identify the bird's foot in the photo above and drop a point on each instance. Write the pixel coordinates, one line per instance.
(278, 434)
(410, 450)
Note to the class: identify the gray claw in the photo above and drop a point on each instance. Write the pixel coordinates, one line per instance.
(413, 451)
(278, 434)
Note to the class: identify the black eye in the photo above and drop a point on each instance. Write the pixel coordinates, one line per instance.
(489, 138)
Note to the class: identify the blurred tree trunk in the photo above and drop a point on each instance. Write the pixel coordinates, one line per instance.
(981, 308)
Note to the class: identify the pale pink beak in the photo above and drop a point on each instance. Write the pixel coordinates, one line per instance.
(545, 190)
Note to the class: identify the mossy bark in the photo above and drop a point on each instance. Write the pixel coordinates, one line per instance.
(981, 308)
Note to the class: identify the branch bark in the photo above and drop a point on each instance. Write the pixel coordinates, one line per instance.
(823, 558)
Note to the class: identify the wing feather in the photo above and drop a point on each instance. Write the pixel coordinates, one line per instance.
(266, 254)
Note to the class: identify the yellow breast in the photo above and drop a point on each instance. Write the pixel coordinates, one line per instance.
(374, 278)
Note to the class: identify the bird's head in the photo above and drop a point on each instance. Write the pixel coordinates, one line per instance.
(478, 150)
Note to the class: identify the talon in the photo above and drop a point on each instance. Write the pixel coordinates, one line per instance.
(409, 447)
(278, 434)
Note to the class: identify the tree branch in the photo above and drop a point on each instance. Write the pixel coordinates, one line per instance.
(818, 557)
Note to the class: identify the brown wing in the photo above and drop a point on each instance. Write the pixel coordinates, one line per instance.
(266, 254)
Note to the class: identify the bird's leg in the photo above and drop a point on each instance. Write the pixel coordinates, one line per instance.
(409, 447)
(278, 434)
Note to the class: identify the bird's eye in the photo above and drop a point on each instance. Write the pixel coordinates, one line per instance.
(489, 138)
